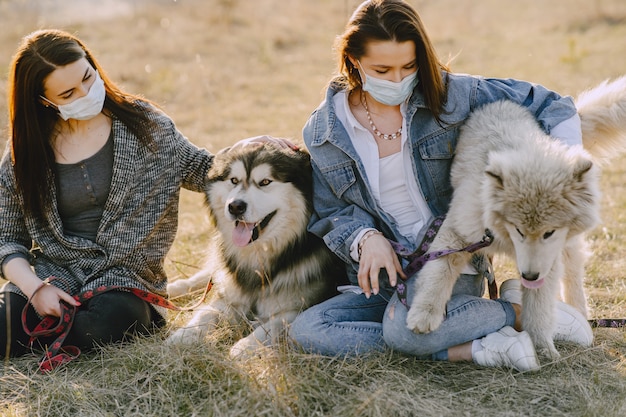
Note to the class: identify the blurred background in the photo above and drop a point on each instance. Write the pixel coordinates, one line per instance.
(226, 69)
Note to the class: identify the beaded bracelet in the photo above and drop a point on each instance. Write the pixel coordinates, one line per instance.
(366, 236)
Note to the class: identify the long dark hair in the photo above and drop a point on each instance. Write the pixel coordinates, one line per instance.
(391, 20)
(31, 124)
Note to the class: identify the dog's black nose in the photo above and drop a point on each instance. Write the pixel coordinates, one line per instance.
(530, 276)
(237, 207)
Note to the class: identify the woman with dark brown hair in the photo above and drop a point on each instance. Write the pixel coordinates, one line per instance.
(382, 144)
(89, 193)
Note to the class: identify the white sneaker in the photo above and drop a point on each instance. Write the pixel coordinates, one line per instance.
(507, 348)
(571, 325)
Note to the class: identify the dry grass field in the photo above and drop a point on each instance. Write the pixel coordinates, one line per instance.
(230, 69)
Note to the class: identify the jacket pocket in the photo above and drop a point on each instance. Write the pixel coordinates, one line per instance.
(339, 177)
(437, 154)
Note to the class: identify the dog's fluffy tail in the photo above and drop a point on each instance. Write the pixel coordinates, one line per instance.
(602, 111)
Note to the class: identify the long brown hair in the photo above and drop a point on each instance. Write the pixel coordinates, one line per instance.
(31, 124)
(391, 20)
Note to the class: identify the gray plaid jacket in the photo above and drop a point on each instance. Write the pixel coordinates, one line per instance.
(138, 225)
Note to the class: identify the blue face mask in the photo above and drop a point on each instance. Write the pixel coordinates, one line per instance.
(388, 92)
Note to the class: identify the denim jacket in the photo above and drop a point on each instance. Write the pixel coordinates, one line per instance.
(343, 200)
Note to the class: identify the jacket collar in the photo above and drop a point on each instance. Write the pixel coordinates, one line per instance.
(327, 122)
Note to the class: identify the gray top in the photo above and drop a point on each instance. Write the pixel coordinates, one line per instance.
(82, 190)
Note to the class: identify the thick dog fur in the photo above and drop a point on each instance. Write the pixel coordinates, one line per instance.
(537, 196)
(266, 267)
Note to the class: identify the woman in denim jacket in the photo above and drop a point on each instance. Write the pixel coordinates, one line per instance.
(382, 144)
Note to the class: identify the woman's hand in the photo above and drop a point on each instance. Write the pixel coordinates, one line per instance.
(44, 297)
(256, 140)
(376, 254)
(47, 300)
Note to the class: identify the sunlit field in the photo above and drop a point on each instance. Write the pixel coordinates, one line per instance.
(230, 69)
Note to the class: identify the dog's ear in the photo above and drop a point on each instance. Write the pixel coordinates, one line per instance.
(494, 173)
(496, 168)
(303, 155)
(224, 150)
(299, 156)
(220, 168)
(582, 166)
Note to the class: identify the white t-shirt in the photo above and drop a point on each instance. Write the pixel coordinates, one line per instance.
(391, 179)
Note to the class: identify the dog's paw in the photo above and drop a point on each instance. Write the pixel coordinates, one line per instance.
(423, 320)
(186, 336)
(178, 288)
(245, 348)
(548, 350)
(544, 345)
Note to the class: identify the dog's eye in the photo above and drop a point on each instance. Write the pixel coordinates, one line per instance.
(234, 181)
(548, 234)
(265, 182)
(520, 233)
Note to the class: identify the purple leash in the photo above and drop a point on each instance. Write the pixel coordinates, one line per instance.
(611, 323)
(420, 256)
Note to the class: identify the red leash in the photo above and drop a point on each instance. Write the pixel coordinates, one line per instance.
(56, 354)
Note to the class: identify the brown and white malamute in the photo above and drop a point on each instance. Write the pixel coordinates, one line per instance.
(264, 264)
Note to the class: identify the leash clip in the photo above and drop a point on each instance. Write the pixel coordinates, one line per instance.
(487, 237)
(486, 240)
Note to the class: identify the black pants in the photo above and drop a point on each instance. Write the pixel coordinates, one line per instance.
(110, 317)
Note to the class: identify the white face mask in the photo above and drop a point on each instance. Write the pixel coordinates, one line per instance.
(388, 92)
(86, 107)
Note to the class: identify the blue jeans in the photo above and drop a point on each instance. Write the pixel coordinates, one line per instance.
(351, 324)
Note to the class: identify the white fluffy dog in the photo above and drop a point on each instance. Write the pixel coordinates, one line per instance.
(537, 196)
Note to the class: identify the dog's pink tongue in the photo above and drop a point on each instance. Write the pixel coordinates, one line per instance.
(532, 284)
(242, 234)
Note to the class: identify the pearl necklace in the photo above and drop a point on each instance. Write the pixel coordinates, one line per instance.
(375, 129)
